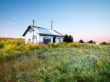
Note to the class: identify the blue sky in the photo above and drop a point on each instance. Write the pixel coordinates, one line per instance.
(86, 19)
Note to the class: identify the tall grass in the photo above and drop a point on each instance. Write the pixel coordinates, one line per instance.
(63, 62)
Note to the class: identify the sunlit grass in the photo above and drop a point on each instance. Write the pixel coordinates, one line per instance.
(63, 62)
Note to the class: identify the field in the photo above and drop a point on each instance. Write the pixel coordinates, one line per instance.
(63, 62)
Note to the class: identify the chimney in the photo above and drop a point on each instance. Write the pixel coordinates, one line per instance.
(51, 25)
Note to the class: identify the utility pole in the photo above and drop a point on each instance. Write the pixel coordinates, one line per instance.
(33, 32)
(33, 22)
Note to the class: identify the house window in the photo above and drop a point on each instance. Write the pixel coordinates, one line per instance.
(46, 40)
(29, 40)
(59, 39)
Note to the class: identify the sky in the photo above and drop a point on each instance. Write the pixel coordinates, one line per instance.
(83, 19)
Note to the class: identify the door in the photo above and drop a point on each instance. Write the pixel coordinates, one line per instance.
(54, 39)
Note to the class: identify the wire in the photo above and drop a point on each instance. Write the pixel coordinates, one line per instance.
(12, 20)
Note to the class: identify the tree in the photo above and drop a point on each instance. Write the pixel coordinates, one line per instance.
(81, 41)
(104, 43)
(68, 38)
(65, 39)
(91, 41)
(108, 43)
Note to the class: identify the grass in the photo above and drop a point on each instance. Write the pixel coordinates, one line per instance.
(63, 62)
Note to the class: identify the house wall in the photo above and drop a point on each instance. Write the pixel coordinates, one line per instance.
(62, 39)
(29, 37)
(39, 38)
(59, 39)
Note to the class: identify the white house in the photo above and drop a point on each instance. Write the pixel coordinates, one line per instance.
(41, 35)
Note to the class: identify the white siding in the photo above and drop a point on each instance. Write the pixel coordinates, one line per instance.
(29, 37)
(61, 39)
(39, 38)
(58, 39)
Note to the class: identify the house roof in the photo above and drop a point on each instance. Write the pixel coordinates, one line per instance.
(43, 31)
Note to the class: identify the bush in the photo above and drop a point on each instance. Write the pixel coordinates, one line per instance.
(81, 41)
(104, 43)
(68, 38)
(91, 41)
(1, 45)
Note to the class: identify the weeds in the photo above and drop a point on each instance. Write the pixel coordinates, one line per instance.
(63, 62)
